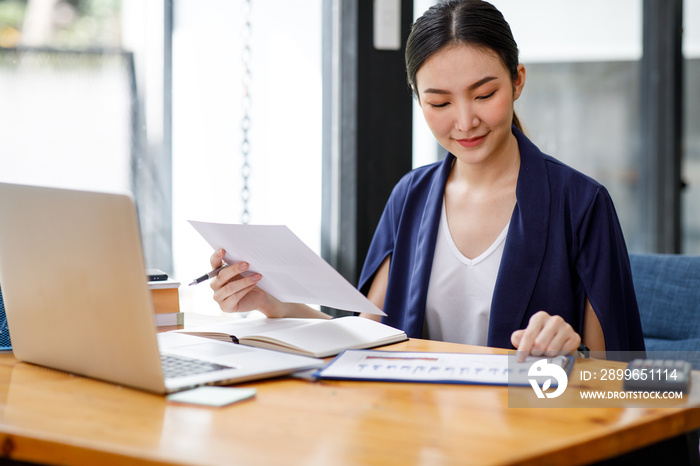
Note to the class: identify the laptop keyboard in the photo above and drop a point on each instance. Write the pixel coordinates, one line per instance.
(178, 366)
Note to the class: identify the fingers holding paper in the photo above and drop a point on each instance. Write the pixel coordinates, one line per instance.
(546, 335)
(235, 292)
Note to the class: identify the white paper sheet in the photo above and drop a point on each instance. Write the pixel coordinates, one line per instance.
(291, 271)
(467, 368)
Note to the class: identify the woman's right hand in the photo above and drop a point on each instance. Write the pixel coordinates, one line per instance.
(236, 293)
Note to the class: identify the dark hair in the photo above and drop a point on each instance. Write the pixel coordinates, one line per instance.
(453, 22)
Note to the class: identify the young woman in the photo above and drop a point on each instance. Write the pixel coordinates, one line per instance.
(498, 244)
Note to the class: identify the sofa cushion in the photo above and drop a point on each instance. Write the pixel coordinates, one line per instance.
(668, 294)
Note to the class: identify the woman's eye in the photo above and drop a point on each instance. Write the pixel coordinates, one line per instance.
(444, 104)
(484, 97)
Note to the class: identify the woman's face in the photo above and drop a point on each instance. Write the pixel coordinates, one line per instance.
(467, 96)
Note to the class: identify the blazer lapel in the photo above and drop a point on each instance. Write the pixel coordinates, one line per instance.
(425, 247)
(524, 248)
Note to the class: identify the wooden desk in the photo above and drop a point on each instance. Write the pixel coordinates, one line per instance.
(52, 417)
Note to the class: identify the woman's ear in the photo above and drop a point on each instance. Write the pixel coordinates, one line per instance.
(519, 82)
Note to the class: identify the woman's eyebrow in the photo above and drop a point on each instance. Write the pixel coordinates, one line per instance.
(472, 87)
(481, 82)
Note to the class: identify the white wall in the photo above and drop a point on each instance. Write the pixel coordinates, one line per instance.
(571, 30)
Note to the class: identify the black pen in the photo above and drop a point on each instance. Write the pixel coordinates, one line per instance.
(209, 275)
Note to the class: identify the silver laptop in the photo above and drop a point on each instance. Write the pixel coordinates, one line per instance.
(76, 297)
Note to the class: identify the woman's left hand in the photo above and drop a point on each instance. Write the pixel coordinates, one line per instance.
(545, 335)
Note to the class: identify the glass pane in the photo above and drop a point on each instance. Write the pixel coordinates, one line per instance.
(66, 119)
(83, 103)
(285, 131)
(691, 127)
(66, 93)
(581, 98)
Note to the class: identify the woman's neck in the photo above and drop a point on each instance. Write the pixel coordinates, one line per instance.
(497, 170)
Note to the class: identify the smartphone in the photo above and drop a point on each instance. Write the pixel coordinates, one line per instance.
(156, 275)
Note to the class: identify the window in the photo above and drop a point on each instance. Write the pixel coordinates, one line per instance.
(66, 89)
(690, 197)
(285, 131)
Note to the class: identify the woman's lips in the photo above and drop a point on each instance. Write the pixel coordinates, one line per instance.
(471, 142)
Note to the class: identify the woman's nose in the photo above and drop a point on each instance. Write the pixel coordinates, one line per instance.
(466, 117)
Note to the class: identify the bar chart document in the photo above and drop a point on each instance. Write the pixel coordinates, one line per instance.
(291, 271)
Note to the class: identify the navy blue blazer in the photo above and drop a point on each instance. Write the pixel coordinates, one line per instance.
(564, 244)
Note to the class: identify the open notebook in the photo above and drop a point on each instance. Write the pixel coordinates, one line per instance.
(318, 338)
(77, 300)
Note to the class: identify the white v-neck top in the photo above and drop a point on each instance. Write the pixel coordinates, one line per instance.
(460, 289)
